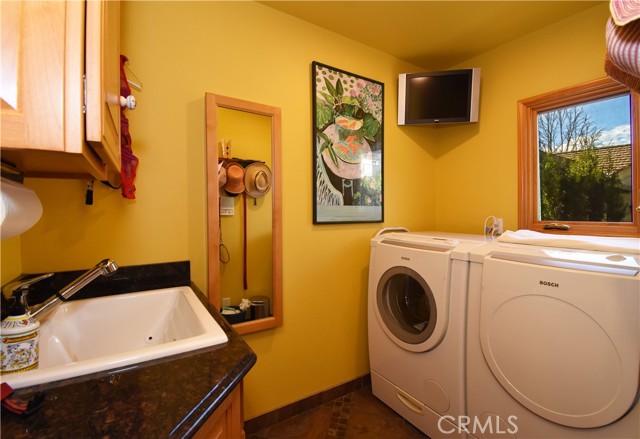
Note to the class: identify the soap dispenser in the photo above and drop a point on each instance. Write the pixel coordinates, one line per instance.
(19, 331)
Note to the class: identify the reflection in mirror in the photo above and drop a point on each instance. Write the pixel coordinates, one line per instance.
(245, 222)
(244, 230)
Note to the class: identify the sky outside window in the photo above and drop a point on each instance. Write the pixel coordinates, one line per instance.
(612, 115)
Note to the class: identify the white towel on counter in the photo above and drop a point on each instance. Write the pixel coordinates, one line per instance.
(580, 242)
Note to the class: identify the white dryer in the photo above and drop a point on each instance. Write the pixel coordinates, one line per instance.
(553, 344)
(416, 319)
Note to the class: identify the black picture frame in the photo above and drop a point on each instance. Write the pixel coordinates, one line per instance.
(348, 146)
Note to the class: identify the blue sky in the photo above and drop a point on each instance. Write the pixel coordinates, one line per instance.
(612, 115)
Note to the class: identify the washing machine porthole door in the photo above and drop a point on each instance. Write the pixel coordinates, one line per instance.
(406, 305)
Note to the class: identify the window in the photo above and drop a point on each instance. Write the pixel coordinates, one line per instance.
(578, 160)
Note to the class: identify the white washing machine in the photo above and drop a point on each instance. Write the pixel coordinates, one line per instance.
(553, 343)
(416, 317)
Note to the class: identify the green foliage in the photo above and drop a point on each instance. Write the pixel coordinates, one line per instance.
(371, 126)
(324, 114)
(369, 192)
(335, 103)
(326, 144)
(580, 188)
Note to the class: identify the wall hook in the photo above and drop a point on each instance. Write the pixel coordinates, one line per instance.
(136, 85)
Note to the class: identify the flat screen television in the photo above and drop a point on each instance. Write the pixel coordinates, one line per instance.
(450, 96)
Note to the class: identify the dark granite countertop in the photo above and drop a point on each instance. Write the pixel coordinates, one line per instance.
(170, 397)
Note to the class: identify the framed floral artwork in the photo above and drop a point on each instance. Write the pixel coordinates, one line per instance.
(348, 138)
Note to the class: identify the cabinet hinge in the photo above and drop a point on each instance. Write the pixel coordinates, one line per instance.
(84, 94)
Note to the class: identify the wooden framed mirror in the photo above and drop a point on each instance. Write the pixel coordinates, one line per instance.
(253, 132)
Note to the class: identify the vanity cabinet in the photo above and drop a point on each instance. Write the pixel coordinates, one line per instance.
(226, 421)
(60, 88)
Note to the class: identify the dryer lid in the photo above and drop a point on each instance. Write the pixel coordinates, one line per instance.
(598, 243)
(457, 245)
(596, 261)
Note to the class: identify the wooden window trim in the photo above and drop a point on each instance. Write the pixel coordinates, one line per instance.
(528, 110)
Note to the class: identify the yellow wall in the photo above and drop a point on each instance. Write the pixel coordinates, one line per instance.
(477, 173)
(10, 255)
(448, 178)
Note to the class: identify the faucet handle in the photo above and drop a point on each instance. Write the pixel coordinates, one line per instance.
(21, 285)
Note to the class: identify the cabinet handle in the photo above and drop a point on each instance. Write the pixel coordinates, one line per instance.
(129, 102)
(411, 403)
(557, 226)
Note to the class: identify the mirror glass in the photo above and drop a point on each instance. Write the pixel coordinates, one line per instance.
(245, 222)
(244, 228)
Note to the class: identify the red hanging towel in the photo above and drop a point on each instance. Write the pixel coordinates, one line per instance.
(129, 162)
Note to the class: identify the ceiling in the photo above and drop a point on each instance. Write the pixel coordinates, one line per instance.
(432, 34)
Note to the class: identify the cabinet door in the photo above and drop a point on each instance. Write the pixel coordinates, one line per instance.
(35, 60)
(41, 88)
(226, 421)
(103, 81)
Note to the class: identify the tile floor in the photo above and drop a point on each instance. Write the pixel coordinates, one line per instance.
(356, 415)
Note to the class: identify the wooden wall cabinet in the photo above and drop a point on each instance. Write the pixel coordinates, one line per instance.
(226, 422)
(52, 126)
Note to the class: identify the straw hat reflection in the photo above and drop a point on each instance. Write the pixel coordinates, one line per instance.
(257, 179)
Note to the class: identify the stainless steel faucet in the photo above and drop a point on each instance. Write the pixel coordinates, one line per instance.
(103, 268)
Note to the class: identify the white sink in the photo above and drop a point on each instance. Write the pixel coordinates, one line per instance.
(85, 336)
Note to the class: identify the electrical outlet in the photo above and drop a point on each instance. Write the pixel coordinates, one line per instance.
(226, 301)
(498, 225)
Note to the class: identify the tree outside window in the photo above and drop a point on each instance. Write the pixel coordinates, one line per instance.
(582, 161)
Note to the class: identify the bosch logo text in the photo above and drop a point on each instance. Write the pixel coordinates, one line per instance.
(549, 284)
